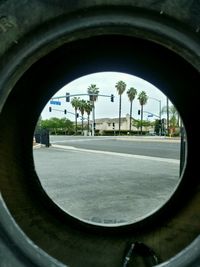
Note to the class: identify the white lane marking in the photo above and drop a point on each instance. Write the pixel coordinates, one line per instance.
(132, 139)
(167, 160)
(79, 140)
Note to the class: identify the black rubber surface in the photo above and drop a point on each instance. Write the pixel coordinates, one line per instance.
(46, 44)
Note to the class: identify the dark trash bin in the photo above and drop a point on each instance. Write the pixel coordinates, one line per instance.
(42, 137)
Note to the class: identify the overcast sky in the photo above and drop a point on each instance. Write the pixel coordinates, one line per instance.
(104, 108)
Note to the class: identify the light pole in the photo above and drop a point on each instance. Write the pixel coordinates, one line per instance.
(93, 118)
(158, 100)
(168, 116)
(92, 100)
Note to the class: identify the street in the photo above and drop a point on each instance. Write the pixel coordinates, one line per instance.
(148, 146)
(109, 180)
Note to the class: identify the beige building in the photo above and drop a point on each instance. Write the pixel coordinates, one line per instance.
(106, 125)
(110, 126)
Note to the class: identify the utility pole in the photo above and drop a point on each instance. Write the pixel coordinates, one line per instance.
(167, 116)
(91, 96)
(93, 117)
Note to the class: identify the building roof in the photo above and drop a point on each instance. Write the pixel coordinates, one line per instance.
(110, 120)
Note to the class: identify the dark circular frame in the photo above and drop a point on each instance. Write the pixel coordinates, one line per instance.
(149, 46)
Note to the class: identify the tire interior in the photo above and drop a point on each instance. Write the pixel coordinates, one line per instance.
(62, 236)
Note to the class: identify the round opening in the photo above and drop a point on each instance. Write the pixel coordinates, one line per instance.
(109, 148)
(57, 232)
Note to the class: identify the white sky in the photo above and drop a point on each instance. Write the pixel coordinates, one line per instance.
(104, 108)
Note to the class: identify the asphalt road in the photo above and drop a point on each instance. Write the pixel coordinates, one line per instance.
(148, 146)
(108, 186)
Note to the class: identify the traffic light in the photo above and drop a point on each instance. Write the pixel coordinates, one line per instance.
(113, 125)
(67, 97)
(65, 111)
(50, 109)
(77, 115)
(138, 111)
(112, 98)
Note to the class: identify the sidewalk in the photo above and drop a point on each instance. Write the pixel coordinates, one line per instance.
(149, 138)
(106, 188)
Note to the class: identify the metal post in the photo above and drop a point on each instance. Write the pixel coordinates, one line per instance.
(168, 133)
(182, 149)
(158, 100)
(160, 108)
(93, 117)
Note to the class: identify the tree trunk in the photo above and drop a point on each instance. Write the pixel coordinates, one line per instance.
(75, 121)
(88, 124)
(82, 125)
(93, 119)
(141, 118)
(130, 116)
(120, 101)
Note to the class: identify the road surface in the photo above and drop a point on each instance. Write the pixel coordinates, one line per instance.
(148, 146)
(108, 181)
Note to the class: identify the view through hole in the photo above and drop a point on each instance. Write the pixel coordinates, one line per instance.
(109, 148)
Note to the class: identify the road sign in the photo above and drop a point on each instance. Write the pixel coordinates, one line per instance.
(150, 115)
(53, 102)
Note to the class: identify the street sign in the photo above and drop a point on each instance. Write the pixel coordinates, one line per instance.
(150, 115)
(53, 102)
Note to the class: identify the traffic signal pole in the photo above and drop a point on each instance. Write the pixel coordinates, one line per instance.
(68, 95)
(65, 112)
(93, 118)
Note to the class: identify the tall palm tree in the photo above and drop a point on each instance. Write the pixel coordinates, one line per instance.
(143, 100)
(88, 109)
(121, 87)
(75, 104)
(132, 92)
(93, 92)
(82, 105)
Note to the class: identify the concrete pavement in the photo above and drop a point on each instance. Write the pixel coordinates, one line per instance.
(105, 188)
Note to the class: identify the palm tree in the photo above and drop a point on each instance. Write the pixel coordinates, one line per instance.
(75, 104)
(143, 100)
(88, 109)
(132, 92)
(93, 92)
(121, 87)
(82, 105)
